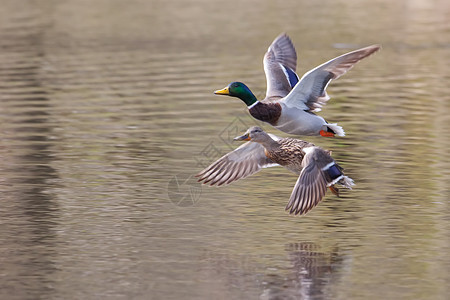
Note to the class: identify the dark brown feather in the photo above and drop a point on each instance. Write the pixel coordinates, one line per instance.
(268, 112)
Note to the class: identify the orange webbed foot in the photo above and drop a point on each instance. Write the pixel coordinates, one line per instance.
(334, 190)
(326, 134)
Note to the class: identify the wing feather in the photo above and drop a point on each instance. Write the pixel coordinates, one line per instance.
(244, 161)
(310, 187)
(310, 93)
(280, 63)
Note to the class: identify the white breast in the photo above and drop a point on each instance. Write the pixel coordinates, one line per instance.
(299, 122)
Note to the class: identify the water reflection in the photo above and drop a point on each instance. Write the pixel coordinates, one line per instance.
(306, 271)
(32, 212)
(102, 104)
(312, 271)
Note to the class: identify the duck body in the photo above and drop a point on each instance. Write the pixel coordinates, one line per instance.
(316, 168)
(288, 153)
(291, 102)
(293, 120)
(302, 122)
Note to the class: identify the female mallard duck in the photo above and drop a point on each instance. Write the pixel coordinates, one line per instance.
(290, 103)
(315, 166)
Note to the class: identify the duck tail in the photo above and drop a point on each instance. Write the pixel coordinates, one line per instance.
(346, 182)
(336, 129)
(333, 174)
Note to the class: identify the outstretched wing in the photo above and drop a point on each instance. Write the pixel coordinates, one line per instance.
(280, 62)
(246, 160)
(312, 183)
(309, 93)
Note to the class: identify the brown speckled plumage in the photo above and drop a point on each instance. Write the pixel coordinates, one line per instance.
(316, 168)
(289, 153)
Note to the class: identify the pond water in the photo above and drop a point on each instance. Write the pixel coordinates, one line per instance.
(106, 110)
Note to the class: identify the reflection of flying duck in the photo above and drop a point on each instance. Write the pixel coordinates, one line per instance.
(312, 271)
(316, 167)
(313, 268)
(290, 103)
(309, 260)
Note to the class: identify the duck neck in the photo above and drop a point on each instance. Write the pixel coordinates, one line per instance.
(270, 144)
(249, 99)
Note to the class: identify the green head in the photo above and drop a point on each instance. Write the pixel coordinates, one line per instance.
(239, 90)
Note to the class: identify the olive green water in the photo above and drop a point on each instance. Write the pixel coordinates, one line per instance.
(106, 109)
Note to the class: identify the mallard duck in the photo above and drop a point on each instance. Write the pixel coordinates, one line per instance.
(316, 168)
(290, 103)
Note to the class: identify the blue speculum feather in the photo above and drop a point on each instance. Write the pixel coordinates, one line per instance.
(334, 172)
(292, 76)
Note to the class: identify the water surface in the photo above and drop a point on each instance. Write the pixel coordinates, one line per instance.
(107, 110)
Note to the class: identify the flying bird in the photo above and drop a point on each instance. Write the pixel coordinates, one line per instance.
(316, 168)
(291, 103)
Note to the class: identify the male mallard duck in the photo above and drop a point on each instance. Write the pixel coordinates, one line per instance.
(290, 104)
(317, 169)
